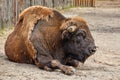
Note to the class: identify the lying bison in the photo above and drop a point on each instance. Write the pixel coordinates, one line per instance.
(46, 38)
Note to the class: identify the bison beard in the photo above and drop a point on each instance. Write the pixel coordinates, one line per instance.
(46, 38)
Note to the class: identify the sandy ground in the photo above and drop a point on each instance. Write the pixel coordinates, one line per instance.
(104, 65)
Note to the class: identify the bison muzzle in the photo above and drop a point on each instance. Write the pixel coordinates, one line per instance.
(46, 38)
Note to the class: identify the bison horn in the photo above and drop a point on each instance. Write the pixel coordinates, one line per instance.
(71, 28)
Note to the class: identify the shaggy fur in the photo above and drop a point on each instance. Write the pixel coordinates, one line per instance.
(46, 38)
(18, 46)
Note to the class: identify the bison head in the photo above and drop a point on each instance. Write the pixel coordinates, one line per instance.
(77, 40)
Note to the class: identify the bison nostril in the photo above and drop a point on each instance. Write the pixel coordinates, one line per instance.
(92, 50)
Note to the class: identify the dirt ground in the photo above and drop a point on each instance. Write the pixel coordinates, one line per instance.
(104, 24)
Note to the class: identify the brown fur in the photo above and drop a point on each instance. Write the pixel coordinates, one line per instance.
(38, 39)
(18, 47)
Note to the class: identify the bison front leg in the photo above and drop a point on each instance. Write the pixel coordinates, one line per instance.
(69, 70)
(48, 64)
(72, 62)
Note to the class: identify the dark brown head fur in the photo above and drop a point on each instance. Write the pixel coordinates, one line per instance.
(78, 44)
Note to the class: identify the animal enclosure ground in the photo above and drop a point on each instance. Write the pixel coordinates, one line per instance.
(103, 65)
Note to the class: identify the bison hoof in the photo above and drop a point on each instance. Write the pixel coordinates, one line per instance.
(55, 63)
(47, 68)
(68, 70)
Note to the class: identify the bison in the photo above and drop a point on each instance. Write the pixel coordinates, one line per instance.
(44, 37)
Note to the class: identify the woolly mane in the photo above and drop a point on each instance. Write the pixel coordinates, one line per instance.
(26, 22)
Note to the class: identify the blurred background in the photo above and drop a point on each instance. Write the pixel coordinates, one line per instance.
(10, 9)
